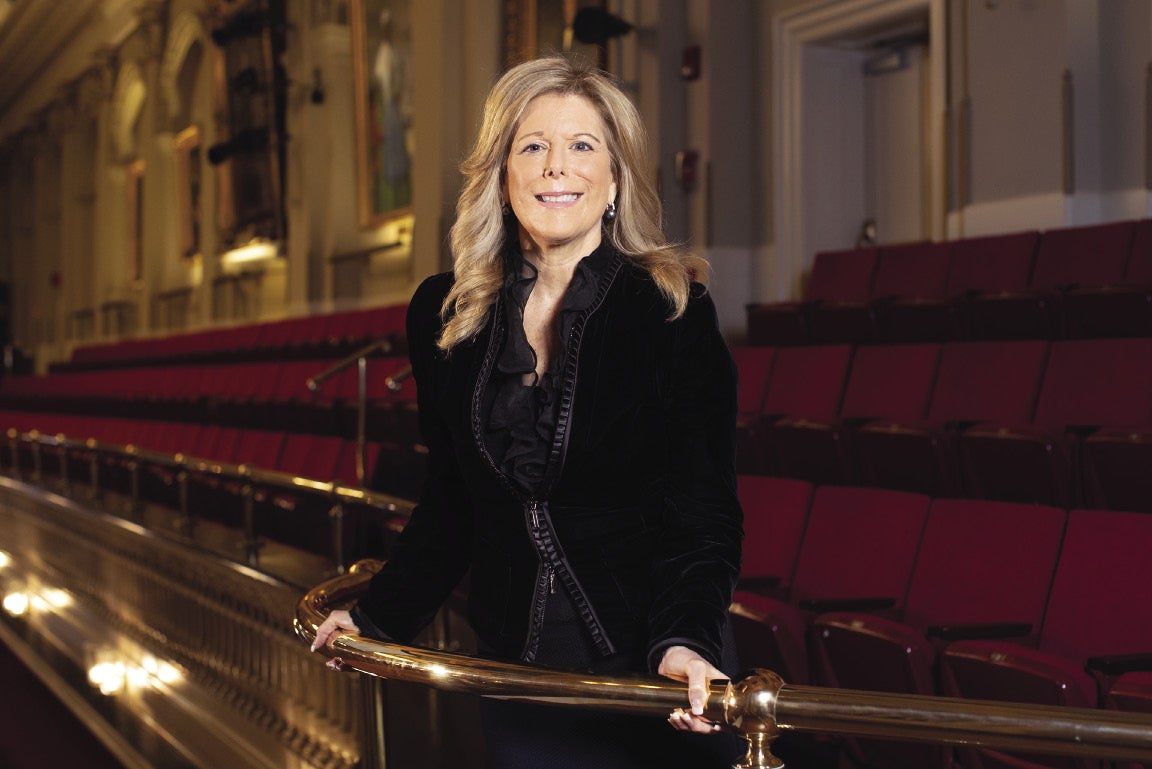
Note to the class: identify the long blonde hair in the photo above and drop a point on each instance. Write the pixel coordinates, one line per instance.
(479, 237)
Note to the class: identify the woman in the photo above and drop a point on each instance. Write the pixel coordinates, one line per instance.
(578, 404)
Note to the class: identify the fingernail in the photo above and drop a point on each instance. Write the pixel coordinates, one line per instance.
(698, 708)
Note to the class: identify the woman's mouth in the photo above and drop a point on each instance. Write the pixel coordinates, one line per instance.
(563, 197)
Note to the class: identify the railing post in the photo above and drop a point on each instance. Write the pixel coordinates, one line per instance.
(136, 506)
(187, 523)
(251, 541)
(14, 448)
(65, 481)
(36, 467)
(94, 494)
(750, 708)
(362, 421)
(375, 751)
(336, 526)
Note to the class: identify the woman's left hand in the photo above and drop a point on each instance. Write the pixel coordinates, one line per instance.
(683, 664)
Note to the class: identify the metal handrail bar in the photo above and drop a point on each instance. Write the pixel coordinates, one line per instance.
(360, 358)
(395, 509)
(756, 705)
(313, 382)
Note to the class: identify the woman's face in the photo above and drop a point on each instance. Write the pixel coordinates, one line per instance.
(559, 175)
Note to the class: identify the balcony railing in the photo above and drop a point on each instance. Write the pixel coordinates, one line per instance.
(757, 706)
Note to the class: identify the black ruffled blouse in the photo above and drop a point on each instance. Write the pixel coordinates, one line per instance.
(522, 409)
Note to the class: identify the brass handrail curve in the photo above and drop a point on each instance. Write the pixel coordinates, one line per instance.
(756, 705)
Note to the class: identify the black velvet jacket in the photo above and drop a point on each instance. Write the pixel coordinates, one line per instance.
(640, 521)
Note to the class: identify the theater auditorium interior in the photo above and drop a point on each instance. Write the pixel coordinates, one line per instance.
(930, 228)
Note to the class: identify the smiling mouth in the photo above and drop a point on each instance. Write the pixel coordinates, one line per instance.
(568, 197)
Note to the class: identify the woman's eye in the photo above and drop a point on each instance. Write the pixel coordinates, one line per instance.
(582, 146)
(533, 147)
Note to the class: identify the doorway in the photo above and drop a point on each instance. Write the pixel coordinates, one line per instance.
(859, 101)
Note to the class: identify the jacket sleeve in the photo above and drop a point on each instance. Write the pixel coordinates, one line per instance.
(698, 555)
(432, 553)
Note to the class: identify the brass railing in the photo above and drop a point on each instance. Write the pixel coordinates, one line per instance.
(756, 705)
(391, 511)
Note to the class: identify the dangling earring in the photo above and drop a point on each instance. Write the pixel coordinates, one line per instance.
(506, 210)
(610, 212)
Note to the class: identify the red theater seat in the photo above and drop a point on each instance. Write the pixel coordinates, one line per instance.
(754, 367)
(840, 281)
(983, 570)
(857, 551)
(985, 270)
(1115, 306)
(910, 293)
(981, 381)
(885, 382)
(1097, 609)
(1087, 384)
(775, 514)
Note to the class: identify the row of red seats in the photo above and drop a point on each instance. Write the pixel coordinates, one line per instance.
(277, 381)
(1067, 423)
(1075, 282)
(391, 466)
(315, 335)
(895, 591)
(319, 457)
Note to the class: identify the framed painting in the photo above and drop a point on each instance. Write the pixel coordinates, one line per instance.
(382, 76)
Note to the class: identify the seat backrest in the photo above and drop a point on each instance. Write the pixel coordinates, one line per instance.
(775, 514)
(988, 381)
(260, 448)
(992, 263)
(1138, 270)
(1094, 255)
(891, 381)
(808, 381)
(1102, 382)
(843, 276)
(984, 561)
(753, 368)
(1099, 603)
(311, 456)
(860, 543)
(912, 270)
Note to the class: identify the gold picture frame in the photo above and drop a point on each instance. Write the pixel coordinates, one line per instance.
(382, 77)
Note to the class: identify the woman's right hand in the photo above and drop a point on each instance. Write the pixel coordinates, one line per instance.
(338, 622)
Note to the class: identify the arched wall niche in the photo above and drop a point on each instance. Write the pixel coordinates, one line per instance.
(128, 102)
(183, 65)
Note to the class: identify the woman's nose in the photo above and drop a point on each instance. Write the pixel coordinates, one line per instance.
(554, 164)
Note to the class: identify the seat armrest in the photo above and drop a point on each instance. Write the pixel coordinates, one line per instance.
(1118, 664)
(759, 585)
(855, 423)
(822, 605)
(979, 631)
